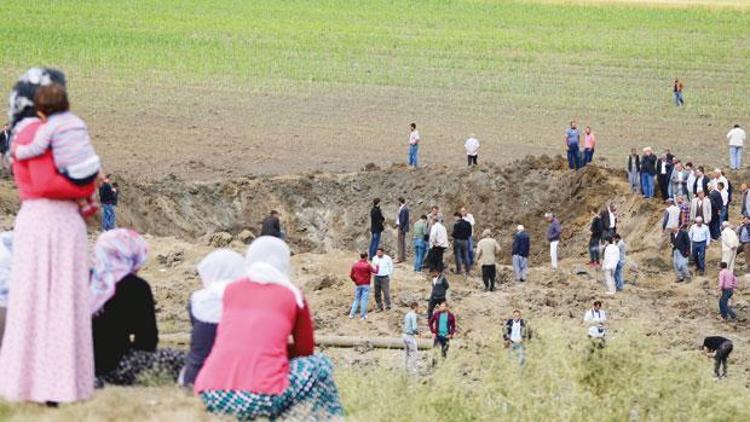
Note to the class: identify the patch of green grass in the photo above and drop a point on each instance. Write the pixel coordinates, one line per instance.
(608, 57)
(634, 378)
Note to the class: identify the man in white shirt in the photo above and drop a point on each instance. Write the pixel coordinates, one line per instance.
(700, 238)
(413, 145)
(736, 138)
(672, 216)
(438, 245)
(596, 318)
(384, 264)
(472, 150)
(515, 333)
(729, 244)
(718, 177)
(609, 265)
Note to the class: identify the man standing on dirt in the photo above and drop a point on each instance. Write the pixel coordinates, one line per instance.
(520, 252)
(461, 234)
(572, 139)
(402, 225)
(411, 330)
(729, 245)
(377, 222)
(472, 150)
(108, 198)
(700, 238)
(718, 348)
(745, 204)
(744, 235)
(439, 292)
(361, 274)
(438, 245)
(736, 138)
(701, 182)
(680, 253)
(677, 88)
(553, 237)
(413, 145)
(466, 215)
(634, 171)
(700, 207)
(384, 265)
(487, 250)
(648, 172)
(717, 203)
(421, 237)
(272, 225)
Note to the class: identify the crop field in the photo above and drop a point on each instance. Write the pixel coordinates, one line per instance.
(240, 87)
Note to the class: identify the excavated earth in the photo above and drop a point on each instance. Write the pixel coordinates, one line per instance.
(326, 218)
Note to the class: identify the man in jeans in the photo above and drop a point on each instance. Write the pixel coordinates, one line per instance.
(520, 253)
(361, 274)
(411, 330)
(572, 139)
(727, 284)
(413, 145)
(516, 332)
(108, 197)
(680, 253)
(744, 234)
(553, 236)
(402, 225)
(700, 238)
(461, 234)
(736, 138)
(718, 348)
(421, 236)
(377, 222)
(443, 328)
(384, 265)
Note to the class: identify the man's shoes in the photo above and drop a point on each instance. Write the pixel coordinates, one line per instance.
(351, 316)
(364, 318)
(679, 280)
(379, 310)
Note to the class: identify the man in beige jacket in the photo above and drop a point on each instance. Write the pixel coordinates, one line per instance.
(487, 250)
(729, 244)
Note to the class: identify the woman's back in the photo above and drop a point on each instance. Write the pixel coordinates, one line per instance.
(250, 352)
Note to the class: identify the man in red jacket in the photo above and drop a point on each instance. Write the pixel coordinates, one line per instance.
(361, 275)
(443, 327)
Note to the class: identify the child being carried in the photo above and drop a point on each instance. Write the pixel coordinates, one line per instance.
(69, 139)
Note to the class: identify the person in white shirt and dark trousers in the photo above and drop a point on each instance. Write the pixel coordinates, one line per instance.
(736, 138)
(384, 264)
(515, 334)
(595, 318)
(472, 150)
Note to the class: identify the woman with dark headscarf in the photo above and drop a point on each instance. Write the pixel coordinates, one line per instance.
(125, 333)
(47, 352)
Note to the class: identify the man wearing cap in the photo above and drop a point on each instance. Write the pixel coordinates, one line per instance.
(487, 250)
(700, 238)
(520, 252)
(729, 244)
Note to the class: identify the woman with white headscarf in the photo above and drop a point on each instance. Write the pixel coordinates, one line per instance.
(216, 271)
(124, 324)
(251, 372)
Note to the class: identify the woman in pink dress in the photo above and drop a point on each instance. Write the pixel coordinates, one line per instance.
(47, 352)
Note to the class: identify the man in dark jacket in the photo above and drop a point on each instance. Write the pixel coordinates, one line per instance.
(717, 203)
(443, 327)
(634, 171)
(701, 182)
(461, 234)
(680, 252)
(718, 348)
(595, 239)
(439, 291)
(648, 172)
(108, 198)
(553, 236)
(377, 222)
(520, 252)
(515, 333)
(272, 225)
(402, 225)
(663, 173)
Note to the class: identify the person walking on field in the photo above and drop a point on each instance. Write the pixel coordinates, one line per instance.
(609, 265)
(634, 171)
(553, 237)
(736, 138)
(377, 224)
(361, 275)
(472, 150)
(515, 335)
(648, 172)
(727, 283)
(413, 145)
(384, 265)
(680, 253)
(439, 291)
(700, 238)
(421, 237)
(718, 348)
(411, 330)
(729, 244)
(572, 139)
(443, 328)
(272, 225)
(402, 225)
(589, 145)
(438, 244)
(677, 88)
(487, 250)
(520, 252)
(461, 234)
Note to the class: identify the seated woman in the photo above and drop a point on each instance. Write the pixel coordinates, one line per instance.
(216, 271)
(125, 333)
(251, 372)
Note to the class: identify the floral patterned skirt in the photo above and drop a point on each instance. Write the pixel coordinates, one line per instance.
(136, 365)
(311, 395)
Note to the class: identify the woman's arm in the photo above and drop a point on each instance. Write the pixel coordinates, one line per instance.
(304, 340)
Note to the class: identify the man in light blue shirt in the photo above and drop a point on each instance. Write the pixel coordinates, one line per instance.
(384, 264)
(700, 238)
(411, 329)
(572, 140)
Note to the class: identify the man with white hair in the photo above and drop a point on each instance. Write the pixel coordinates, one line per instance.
(718, 177)
(520, 252)
(729, 244)
(700, 238)
(472, 150)
(487, 250)
(553, 236)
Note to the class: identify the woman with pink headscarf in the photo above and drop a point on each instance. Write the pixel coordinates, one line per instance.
(125, 332)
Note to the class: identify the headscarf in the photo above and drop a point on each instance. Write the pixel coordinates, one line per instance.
(268, 263)
(6, 259)
(216, 271)
(21, 101)
(117, 253)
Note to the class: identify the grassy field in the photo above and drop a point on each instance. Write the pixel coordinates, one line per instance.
(342, 76)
